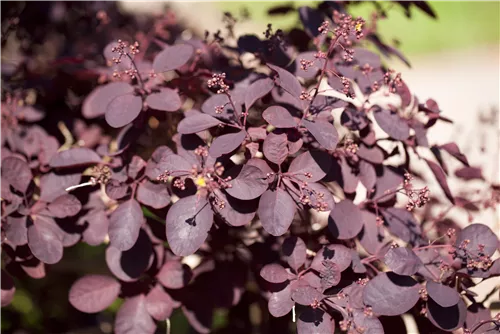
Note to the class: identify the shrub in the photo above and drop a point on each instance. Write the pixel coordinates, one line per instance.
(284, 183)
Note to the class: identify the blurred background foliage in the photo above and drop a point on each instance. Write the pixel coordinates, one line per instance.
(41, 304)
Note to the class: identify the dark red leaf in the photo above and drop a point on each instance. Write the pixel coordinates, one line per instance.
(275, 148)
(441, 178)
(287, 81)
(159, 303)
(317, 163)
(274, 273)
(447, 318)
(402, 261)
(443, 295)
(346, 220)
(197, 123)
(481, 239)
(319, 195)
(227, 143)
(166, 99)
(17, 173)
(391, 294)
(249, 184)
(316, 321)
(279, 117)
(75, 157)
(306, 295)
(153, 169)
(367, 175)
(16, 230)
(93, 293)
(123, 109)
(280, 303)
(153, 194)
(276, 211)
(324, 132)
(8, 289)
(133, 317)
(124, 225)
(372, 237)
(402, 224)
(98, 224)
(294, 249)
(97, 101)
(188, 223)
(174, 275)
(64, 206)
(53, 185)
(470, 173)
(219, 100)
(257, 90)
(117, 190)
(236, 212)
(45, 240)
(172, 57)
(392, 124)
(338, 254)
(370, 323)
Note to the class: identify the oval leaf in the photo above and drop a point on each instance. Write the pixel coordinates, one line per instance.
(442, 294)
(188, 223)
(257, 90)
(45, 240)
(316, 163)
(392, 124)
(64, 206)
(153, 194)
(294, 249)
(345, 220)
(338, 254)
(174, 275)
(279, 117)
(249, 184)
(402, 261)
(75, 157)
(17, 173)
(96, 103)
(479, 237)
(166, 99)
(159, 303)
(226, 143)
(123, 109)
(274, 273)
(324, 132)
(287, 81)
(133, 317)
(93, 293)
(275, 148)
(124, 225)
(197, 123)
(276, 211)
(280, 303)
(172, 57)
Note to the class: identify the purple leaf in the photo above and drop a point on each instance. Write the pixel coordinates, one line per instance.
(319, 196)
(197, 123)
(287, 81)
(97, 229)
(479, 237)
(275, 148)
(188, 223)
(294, 249)
(370, 323)
(338, 254)
(454, 151)
(8, 289)
(346, 220)
(174, 164)
(391, 294)
(75, 157)
(367, 175)
(159, 155)
(443, 295)
(312, 71)
(330, 274)
(159, 303)
(249, 184)
(97, 101)
(316, 321)
(392, 124)
(441, 178)
(129, 265)
(276, 211)
(470, 173)
(172, 57)
(123, 109)
(153, 195)
(16, 230)
(133, 317)
(30, 114)
(257, 90)
(402, 261)
(124, 225)
(279, 117)
(135, 166)
(93, 293)
(17, 173)
(64, 206)
(45, 240)
(226, 143)
(317, 163)
(166, 100)
(402, 224)
(274, 273)
(324, 132)
(280, 303)
(236, 212)
(53, 185)
(219, 100)
(174, 275)
(116, 190)
(447, 318)
(306, 295)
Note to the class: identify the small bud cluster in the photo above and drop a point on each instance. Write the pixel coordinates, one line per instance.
(315, 304)
(379, 221)
(348, 55)
(362, 281)
(123, 49)
(423, 294)
(324, 28)
(305, 64)
(350, 147)
(368, 311)
(201, 151)
(221, 204)
(217, 81)
(276, 38)
(472, 260)
(163, 177)
(416, 197)
(451, 232)
(100, 174)
(305, 96)
(347, 86)
(219, 109)
(393, 80)
(320, 55)
(344, 325)
(346, 24)
(179, 184)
